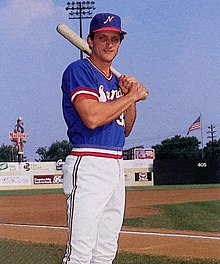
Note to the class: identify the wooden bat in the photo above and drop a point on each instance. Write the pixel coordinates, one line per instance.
(72, 37)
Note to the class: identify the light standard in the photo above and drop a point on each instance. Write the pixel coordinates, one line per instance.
(80, 10)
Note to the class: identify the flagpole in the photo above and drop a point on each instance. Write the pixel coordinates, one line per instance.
(201, 133)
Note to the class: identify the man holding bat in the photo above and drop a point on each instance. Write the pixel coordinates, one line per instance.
(99, 109)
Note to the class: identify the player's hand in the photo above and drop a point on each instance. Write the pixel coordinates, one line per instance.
(130, 85)
(125, 82)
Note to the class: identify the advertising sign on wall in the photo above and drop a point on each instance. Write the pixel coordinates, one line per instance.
(48, 179)
(144, 153)
(15, 180)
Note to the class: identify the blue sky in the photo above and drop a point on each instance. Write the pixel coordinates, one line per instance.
(172, 46)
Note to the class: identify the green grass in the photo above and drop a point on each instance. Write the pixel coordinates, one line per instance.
(172, 187)
(30, 192)
(199, 216)
(125, 258)
(140, 188)
(28, 253)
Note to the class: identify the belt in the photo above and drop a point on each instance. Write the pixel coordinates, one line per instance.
(105, 153)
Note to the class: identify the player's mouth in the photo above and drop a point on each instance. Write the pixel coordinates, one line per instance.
(109, 51)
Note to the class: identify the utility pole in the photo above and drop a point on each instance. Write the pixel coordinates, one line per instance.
(212, 136)
(80, 10)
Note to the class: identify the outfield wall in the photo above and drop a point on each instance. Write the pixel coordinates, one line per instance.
(49, 175)
(186, 171)
(30, 175)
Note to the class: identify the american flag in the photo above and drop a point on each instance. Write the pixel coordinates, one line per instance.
(195, 125)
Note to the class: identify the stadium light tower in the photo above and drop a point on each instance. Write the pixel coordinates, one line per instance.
(80, 10)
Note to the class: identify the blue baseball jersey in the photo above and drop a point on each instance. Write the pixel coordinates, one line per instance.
(83, 79)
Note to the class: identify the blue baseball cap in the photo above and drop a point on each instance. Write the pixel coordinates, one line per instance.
(106, 21)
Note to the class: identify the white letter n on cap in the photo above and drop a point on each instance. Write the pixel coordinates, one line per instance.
(109, 19)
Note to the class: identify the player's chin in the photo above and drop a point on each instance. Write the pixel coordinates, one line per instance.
(109, 56)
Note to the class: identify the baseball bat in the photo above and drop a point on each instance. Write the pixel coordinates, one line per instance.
(78, 42)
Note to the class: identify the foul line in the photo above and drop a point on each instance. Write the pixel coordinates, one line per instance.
(122, 232)
(169, 235)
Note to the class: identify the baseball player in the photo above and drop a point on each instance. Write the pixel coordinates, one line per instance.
(99, 110)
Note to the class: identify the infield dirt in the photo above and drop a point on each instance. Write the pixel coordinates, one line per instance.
(42, 218)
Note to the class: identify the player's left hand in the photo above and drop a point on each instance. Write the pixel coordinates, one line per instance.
(127, 83)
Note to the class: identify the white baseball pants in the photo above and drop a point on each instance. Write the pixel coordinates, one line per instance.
(95, 188)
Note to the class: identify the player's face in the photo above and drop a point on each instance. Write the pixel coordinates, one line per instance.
(105, 45)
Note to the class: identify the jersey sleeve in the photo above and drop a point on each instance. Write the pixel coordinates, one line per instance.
(79, 82)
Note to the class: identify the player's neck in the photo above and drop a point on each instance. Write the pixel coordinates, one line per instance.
(102, 66)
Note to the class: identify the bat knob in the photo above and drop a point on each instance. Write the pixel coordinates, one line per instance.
(145, 96)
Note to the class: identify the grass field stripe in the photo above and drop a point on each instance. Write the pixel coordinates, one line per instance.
(122, 232)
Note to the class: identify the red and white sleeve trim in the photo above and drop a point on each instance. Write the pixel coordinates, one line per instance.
(84, 92)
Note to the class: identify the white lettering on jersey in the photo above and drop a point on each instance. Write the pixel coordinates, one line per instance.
(110, 96)
(102, 96)
(113, 94)
(121, 120)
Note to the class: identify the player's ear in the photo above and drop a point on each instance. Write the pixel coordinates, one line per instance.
(90, 42)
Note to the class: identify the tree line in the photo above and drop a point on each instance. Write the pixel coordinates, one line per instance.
(170, 148)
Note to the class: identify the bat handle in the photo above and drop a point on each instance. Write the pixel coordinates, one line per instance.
(116, 73)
